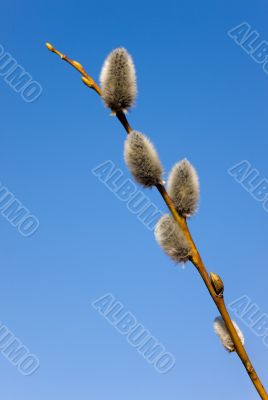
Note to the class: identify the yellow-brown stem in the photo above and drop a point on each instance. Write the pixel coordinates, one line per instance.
(195, 256)
(218, 300)
(86, 78)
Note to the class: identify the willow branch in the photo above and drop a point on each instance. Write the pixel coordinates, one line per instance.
(195, 256)
(85, 77)
(88, 81)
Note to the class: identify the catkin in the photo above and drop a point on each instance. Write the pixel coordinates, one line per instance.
(118, 81)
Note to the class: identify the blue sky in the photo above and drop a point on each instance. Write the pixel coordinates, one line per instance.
(201, 96)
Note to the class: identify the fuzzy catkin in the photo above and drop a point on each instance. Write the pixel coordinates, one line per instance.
(183, 188)
(118, 81)
(142, 160)
(221, 330)
(171, 239)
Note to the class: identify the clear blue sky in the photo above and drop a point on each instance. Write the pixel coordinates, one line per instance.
(201, 97)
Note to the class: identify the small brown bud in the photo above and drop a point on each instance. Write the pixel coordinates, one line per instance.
(49, 46)
(77, 64)
(217, 283)
(86, 81)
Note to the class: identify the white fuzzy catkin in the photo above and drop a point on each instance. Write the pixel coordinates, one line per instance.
(142, 159)
(118, 81)
(183, 188)
(172, 240)
(222, 332)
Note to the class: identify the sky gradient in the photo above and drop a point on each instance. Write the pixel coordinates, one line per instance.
(201, 96)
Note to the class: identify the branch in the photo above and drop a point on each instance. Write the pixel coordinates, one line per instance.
(195, 257)
(88, 81)
(85, 77)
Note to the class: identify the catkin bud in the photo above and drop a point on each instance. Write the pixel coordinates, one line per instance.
(77, 64)
(222, 332)
(217, 283)
(172, 240)
(142, 159)
(118, 81)
(183, 188)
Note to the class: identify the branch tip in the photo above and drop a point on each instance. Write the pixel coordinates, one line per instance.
(49, 46)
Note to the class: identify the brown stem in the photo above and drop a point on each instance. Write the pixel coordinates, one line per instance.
(123, 119)
(195, 256)
(218, 300)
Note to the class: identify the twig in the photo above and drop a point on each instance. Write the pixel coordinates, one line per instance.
(85, 77)
(195, 257)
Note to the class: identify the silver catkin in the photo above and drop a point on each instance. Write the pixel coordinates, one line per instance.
(118, 81)
(221, 330)
(183, 188)
(142, 160)
(171, 239)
